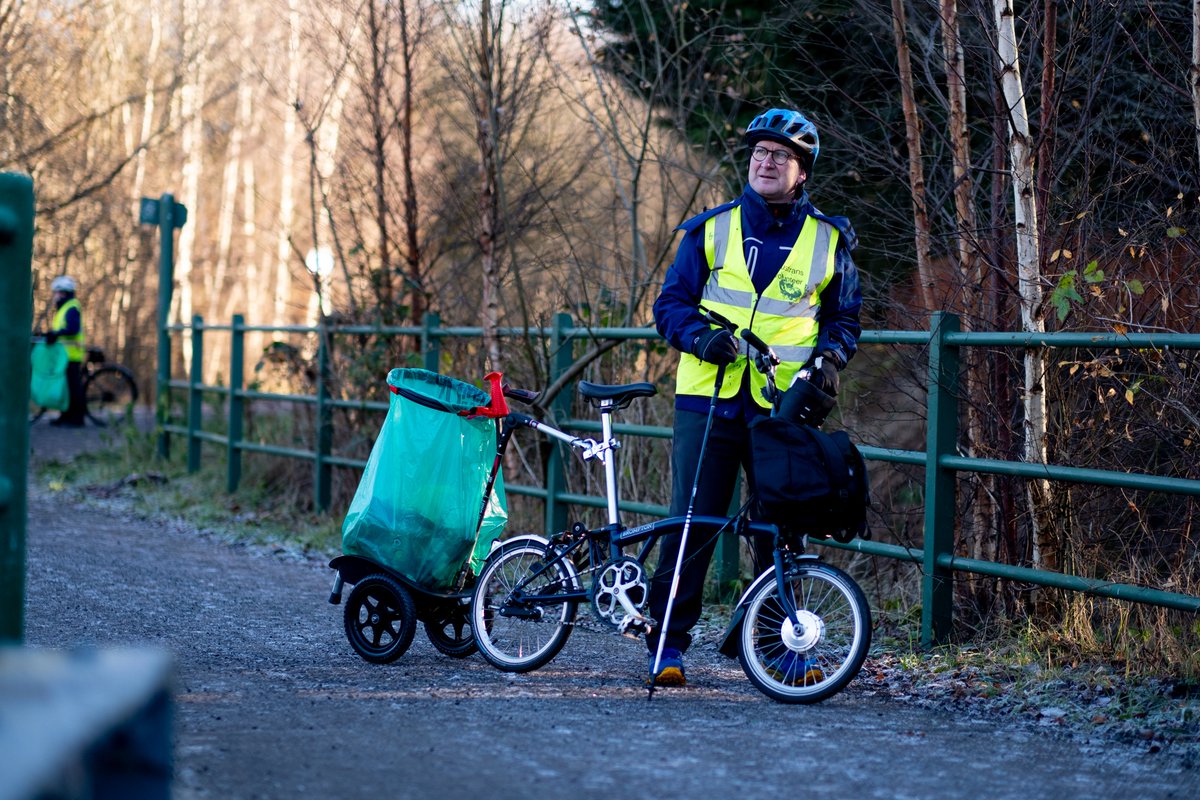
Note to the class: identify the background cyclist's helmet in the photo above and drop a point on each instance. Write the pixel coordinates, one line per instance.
(804, 404)
(63, 283)
(787, 127)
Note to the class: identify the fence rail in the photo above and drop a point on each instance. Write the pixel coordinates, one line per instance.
(943, 342)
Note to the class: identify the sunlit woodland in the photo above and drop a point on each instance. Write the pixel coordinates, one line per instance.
(1027, 166)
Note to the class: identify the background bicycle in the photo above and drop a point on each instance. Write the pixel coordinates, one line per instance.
(109, 389)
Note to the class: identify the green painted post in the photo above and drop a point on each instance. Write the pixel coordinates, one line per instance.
(195, 396)
(233, 455)
(937, 586)
(431, 343)
(562, 356)
(170, 215)
(16, 321)
(323, 476)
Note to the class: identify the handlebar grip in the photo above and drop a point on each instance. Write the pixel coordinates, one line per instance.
(758, 344)
(524, 395)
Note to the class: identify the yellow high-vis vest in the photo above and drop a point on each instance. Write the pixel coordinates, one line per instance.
(76, 351)
(784, 316)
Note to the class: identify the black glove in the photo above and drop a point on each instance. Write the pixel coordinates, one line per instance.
(716, 346)
(51, 337)
(824, 373)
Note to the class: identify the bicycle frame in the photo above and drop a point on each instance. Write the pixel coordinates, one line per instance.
(567, 543)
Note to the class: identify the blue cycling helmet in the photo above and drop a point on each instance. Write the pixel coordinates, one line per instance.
(787, 127)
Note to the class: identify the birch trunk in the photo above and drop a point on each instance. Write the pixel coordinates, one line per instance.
(916, 174)
(217, 292)
(325, 145)
(192, 143)
(287, 179)
(133, 252)
(1195, 71)
(1045, 551)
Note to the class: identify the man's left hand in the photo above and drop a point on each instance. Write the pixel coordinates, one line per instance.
(825, 373)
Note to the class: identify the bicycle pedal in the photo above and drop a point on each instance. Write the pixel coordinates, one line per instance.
(634, 627)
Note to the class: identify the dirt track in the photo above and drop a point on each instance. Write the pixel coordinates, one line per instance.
(272, 703)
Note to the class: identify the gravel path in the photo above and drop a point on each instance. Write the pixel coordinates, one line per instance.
(272, 703)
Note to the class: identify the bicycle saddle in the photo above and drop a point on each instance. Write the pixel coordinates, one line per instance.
(620, 396)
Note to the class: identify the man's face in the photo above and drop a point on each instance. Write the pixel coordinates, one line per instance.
(775, 182)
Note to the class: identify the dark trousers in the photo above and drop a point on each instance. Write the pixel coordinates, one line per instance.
(76, 408)
(728, 450)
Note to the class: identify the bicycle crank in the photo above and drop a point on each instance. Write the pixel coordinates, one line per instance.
(619, 594)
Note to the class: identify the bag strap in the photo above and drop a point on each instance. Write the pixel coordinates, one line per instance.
(839, 477)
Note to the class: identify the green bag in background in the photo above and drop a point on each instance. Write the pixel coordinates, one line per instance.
(417, 505)
(48, 382)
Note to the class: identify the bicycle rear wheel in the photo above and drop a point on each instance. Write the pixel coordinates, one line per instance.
(815, 660)
(111, 393)
(514, 632)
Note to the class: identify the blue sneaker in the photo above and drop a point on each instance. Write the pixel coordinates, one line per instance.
(670, 668)
(793, 669)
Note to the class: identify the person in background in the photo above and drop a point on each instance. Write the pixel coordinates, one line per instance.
(67, 327)
(770, 262)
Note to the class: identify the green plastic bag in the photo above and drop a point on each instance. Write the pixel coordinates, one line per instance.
(48, 382)
(417, 506)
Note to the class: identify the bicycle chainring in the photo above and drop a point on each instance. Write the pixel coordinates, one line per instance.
(619, 577)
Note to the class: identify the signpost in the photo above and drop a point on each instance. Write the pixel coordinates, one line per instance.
(167, 215)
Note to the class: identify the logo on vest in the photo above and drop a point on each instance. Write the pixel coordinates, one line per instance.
(791, 288)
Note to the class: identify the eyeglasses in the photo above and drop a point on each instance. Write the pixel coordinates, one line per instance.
(780, 157)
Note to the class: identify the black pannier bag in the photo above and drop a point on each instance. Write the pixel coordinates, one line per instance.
(809, 481)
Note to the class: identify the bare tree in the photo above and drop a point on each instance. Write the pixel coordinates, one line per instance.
(1021, 155)
(916, 173)
(1194, 72)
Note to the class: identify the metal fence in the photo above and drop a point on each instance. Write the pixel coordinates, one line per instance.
(940, 460)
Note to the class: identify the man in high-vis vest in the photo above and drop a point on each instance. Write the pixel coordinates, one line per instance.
(771, 262)
(67, 327)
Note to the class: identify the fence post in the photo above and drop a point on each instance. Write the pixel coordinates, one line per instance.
(16, 319)
(937, 586)
(431, 343)
(195, 396)
(166, 281)
(324, 433)
(233, 456)
(562, 355)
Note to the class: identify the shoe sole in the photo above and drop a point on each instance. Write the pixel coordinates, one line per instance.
(671, 676)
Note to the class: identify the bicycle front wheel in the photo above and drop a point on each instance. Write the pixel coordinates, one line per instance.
(514, 630)
(111, 393)
(814, 660)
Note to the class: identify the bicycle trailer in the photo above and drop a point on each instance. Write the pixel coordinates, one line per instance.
(427, 509)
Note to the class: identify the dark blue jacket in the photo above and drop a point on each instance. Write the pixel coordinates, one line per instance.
(768, 233)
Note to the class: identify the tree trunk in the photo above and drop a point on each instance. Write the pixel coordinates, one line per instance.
(136, 268)
(192, 143)
(916, 174)
(287, 178)
(380, 131)
(982, 543)
(412, 228)
(485, 140)
(1195, 71)
(1045, 549)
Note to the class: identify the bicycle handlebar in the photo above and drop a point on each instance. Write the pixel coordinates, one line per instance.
(524, 395)
(747, 335)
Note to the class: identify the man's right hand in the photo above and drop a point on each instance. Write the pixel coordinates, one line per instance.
(716, 346)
